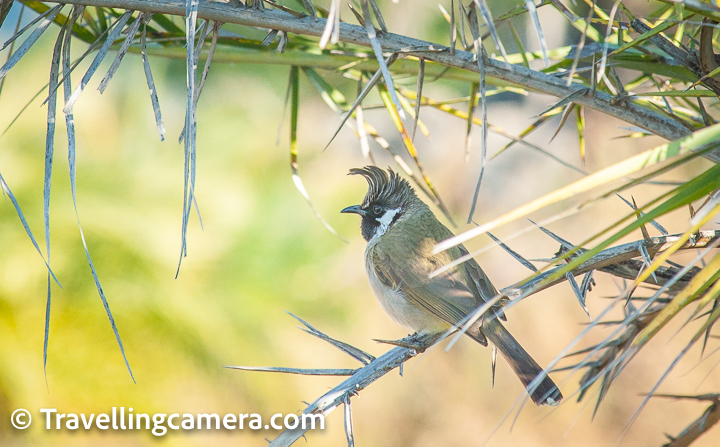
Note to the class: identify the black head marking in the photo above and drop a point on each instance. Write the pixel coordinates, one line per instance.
(387, 200)
(390, 191)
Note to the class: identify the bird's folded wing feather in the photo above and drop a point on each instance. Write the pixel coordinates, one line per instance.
(445, 296)
(482, 283)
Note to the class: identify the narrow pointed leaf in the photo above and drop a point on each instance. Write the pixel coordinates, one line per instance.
(530, 5)
(294, 107)
(102, 52)
(149, 78)
(70, 126)
(27, 43)
(701, 140)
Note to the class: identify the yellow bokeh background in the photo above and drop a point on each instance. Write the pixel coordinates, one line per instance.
(262, 252)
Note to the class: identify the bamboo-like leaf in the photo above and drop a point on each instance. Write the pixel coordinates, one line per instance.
(493, 128)
(379, 56)
(27, 43)
(680, 31)
(410, 110)
(167, 24)
(453, 28)
(70, 126)
(332, 96)
(418, 101)
(336, 101)
(472, 103)
(542, 119)
(482, 6)
(518, 42)
(461, 27)
(530, 5)
(682, 200)
(603, 60)
(480, 56)
(203, 31)
(680, 94)
(42, 9)
(149, 78)
(121, 53)
(4, 10)
(700, 140)
(191, 11)
(679, 197)
(410, 147)
(580, 46)
(20, 214)
(580, 115)
(18, 33)
(371, 83)
(49, 154)
(294, 107)
(112, 36)
(331, 33)
(102, 20)
(643, 37)
(710, 321)
(660, 259)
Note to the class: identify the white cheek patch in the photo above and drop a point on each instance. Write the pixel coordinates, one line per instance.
(387, 218)
(385, 222)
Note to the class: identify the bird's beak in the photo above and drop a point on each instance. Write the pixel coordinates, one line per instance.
(355, 209)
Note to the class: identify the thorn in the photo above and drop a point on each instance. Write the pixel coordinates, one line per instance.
(494, 359)
(403, 343)
(643, 229)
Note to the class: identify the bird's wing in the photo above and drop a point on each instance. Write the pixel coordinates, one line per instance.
(446, 296)
(484, 288)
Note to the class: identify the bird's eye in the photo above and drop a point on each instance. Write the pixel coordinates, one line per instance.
(377, 209)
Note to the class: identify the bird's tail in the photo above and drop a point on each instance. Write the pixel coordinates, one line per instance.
(527, 369)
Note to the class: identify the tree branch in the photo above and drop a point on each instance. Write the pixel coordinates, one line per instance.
(615, 261)
(396, 357)
(496, 70)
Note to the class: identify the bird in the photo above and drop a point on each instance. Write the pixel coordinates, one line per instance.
(401, 232)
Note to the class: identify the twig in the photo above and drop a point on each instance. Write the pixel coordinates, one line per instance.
(618, 255)
(396, 357)
(705, 422)
(354, 34)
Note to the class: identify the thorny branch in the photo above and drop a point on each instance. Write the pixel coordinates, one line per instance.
(607, 260)
(701, 425)
(639, 116)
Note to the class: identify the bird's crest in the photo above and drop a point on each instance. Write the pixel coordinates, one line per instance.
(383, 187)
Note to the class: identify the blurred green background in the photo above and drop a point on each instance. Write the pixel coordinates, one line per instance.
(263, 252)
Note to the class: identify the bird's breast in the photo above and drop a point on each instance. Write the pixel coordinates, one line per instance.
(397, 304)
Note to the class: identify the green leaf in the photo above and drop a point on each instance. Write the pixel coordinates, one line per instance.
(702, 139)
